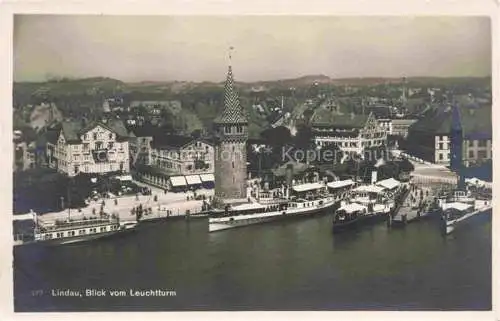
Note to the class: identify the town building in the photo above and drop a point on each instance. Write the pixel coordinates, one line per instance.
(400, 126)
(231, 130)
(24, 156)
(350, 132)
(430, 137)
(172, 162)
(95, 147)
(44, 114)
(182, 155)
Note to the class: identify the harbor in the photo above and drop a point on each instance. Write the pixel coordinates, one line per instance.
(287, 265)
(218, 164)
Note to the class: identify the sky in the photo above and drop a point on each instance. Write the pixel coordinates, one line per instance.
(195, 48)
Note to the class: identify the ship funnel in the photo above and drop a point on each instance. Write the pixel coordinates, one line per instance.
(289, 175)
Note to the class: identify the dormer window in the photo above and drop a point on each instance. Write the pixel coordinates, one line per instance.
(227, 129)
(239, 129)
(110, 136)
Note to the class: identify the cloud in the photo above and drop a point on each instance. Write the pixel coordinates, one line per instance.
(195, 47)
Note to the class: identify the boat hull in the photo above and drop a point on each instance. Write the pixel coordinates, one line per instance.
(224, 223)
(449, 227)
(359, 221)
(81, 238)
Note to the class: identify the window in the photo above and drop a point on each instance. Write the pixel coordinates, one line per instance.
(471, 143)
(110, 145)
(95, 136)
(472, 154)
(121, 166)
(239, 129)
(98, 145)
(227, 129)
(103, 229)
(86, 147)
(481, 154)
(81, 232)
(441, 146)
(440, 156)
(85, 137)
(110, 136)
(232, 163)
(482, 143)
(77, 168)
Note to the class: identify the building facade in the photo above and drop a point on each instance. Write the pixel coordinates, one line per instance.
(180, 155)
(95, 148)
(351, 133)
(231, 129)
(433, 137)
(400, 126)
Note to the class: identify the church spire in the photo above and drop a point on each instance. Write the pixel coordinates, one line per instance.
(232, 111)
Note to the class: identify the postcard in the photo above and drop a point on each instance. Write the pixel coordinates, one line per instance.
(215, 162)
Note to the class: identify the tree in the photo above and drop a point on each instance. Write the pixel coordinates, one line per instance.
(406, 166)
(278, 136)
(304, 138)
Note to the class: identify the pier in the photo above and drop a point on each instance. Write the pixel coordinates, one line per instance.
(417, 204)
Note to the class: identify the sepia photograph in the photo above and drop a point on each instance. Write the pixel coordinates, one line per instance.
(251, 163)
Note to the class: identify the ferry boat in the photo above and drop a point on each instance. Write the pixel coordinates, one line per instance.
(461, 207)
(366, 203)
(74, 231)
(311, 199)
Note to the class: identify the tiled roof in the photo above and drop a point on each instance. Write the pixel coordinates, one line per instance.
(172, 141)
(72, 130)
(232, 111)
(475, 121)
(327, 118)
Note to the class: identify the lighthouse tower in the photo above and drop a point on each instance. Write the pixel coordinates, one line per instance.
(231, 131)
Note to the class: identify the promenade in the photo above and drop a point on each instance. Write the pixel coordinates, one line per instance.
(171, 204)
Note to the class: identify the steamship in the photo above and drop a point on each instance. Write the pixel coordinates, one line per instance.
(367, 203)
(304, 200)
(75, 231)
(461, 207)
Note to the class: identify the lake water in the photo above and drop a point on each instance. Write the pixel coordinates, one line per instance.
(288, 265)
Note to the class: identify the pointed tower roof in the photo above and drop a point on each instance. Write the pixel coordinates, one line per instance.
(456, 119)
(232, 111)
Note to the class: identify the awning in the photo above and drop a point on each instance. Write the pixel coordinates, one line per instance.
(193, 179)
(369, 189)
(178, 181)
(207, 177)
(307, 187)
(353, 207)
(340, 184)
(248, 206)
(389, 183)
(124, 178)
(458, 206)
